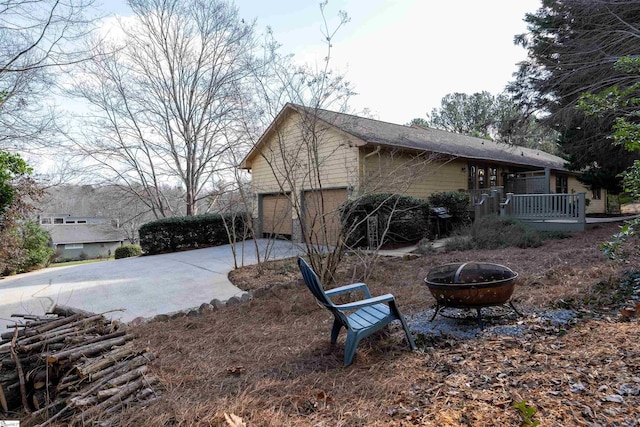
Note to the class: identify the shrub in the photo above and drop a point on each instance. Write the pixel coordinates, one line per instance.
(407, 218)
(35, 242)
(128, 251)
(188, 232)
(496, 232)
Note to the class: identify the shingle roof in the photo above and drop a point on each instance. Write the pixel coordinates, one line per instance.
(83, 233)
(434, 140)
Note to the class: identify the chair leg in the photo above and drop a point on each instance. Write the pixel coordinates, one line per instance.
(335, 330)
(412, 344)
(397, 313)
(350, 348)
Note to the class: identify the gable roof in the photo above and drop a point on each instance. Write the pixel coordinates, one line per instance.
(83, 233)
(376, 132)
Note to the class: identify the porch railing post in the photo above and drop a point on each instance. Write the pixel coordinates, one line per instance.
(506, 208)
(582, 207)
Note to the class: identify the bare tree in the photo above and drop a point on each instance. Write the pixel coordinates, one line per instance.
(108, 201)
(39, 39)
(165, 96)
(298, 155)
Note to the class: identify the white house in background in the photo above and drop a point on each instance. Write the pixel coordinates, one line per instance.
(81, 237)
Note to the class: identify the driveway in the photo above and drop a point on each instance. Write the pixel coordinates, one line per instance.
(143, 286)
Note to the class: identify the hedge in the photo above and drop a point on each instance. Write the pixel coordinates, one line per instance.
(188, 232)
(408, 218)
(128, 251)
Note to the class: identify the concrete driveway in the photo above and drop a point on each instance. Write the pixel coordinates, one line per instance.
(143, 286)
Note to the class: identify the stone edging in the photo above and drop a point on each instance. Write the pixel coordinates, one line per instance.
(206, 307)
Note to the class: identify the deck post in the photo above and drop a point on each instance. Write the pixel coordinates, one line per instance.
(506, 208)
(547, 180)
(582, 208)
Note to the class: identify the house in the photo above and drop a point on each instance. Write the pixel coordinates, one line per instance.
(308, 162)
(82, 237)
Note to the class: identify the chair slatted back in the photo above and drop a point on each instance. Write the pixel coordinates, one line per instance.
(313, 283)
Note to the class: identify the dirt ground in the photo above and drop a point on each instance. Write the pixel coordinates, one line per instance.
(269, 361)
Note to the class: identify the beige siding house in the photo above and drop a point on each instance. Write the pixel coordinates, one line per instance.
(310, 161)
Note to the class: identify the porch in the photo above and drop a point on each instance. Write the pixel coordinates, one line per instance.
(543, 212)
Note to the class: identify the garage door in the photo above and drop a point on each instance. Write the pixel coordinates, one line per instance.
(324, 204)
(276, 215)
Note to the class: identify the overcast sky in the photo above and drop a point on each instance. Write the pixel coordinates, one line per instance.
(402, 56)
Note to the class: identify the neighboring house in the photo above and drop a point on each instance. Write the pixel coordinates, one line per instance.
(352, 155)
(82, 237)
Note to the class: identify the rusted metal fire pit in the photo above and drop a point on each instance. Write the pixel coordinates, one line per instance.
(471, 285)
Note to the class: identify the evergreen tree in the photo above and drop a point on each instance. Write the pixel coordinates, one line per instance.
(572, 48)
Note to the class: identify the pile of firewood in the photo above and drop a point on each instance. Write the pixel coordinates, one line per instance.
(71, 365)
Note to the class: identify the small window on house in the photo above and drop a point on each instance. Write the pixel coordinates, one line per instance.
(596, 193)
(58, 220)
(82, 221)
(73, 246)
(562, 184)
(70, 222)
(493, 177)
(45, 220)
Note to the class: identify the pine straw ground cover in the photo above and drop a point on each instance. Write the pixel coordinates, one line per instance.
(269, 361)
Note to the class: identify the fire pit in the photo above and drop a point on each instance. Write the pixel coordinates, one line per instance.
(471, 285)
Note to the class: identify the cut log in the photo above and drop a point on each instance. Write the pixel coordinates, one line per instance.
(65, 310)
(45, 336)
(6, 336)
(106, 360)
(131, 375)
(53, 339)
(113, 371)
(100, 338)
(104, 394)
(9, 376)
(53, 324)
(82, 323)
(23, 389)
(84, 401)
(3, 400)
(85, 350)
(124, 392)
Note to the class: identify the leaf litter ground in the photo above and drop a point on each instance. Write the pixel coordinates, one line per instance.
(573, 359)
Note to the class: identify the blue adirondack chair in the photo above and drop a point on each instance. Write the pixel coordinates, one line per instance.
(368, 315)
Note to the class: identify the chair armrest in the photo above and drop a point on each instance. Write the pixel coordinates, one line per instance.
(366, 302)
(349, 288)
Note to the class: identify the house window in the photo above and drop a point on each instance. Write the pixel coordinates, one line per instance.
(493, 177)
(472, 178)
(45, 220)
(481, 180)
(73, 246)
(596, 193)
(562, 184)
(82, 221)
(70, 222)
(58, 220)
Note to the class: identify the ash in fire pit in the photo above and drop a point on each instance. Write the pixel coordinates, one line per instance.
(471, 285)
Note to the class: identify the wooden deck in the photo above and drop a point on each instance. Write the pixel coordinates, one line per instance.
(547, 212)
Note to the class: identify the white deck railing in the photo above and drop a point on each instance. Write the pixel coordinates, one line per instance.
(545, 207)
(476, 195)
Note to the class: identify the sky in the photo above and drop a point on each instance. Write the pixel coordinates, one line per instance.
(401, 56)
